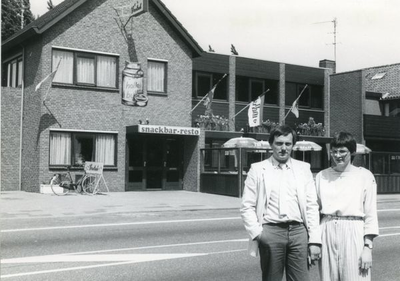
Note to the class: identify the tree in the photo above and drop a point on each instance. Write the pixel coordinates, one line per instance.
(50, 5)
(11, 19)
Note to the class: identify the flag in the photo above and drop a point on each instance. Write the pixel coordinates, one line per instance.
(255, 112)
(51, 75)
(295, 108)
(209, 98)
(44, 80)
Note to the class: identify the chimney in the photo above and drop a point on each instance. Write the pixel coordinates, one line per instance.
(328, 64)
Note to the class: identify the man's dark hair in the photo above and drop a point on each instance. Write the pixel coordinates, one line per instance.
(344, 139)
(282, 130)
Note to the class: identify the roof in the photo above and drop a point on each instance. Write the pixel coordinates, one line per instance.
(385, 80)
(62, 10)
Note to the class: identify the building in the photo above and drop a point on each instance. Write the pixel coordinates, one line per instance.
(80, 85)
(366, 102)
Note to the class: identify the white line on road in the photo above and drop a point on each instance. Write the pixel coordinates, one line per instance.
(389, 210)
(115, 224)
(93, 258)
(138, 248)
(132, 223)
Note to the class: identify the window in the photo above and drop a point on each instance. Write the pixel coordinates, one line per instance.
(157, 76)
(204, 82)
(85, 69)
(249, 89)
(312, 96)
(378, 76)
(12, 73)
(74, 148)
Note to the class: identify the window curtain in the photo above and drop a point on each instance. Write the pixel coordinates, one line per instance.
(106, 71)
(105, 149)
(14, 74)
(65, 69)
(85, 70)
(19, 80)
(156, 78)
(60, 149)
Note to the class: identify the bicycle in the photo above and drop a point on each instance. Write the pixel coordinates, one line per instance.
(62, 184)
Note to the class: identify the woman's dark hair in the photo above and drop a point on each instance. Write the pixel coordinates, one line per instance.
(344, 139)
(282, 130)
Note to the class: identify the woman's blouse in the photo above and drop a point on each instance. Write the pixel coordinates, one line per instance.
(349, 193)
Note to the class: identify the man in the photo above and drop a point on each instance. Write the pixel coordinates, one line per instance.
(280, 211)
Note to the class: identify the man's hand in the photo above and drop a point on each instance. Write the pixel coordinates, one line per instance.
(314, 254)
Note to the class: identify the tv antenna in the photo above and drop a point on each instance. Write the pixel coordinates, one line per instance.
(334, 21)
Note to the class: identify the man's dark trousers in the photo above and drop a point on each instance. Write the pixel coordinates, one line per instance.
(283, 246)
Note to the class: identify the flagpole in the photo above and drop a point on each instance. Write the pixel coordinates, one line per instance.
(249, 104)
(199, 103)
(295, 101)
(215, 86)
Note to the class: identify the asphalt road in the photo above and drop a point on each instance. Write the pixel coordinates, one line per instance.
(185, 245)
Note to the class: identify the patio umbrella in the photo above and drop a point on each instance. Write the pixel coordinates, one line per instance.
(306, 146)
(263, 144)
(240, 142)
(362, 149)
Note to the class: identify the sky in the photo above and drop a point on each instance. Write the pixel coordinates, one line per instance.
(291, 31)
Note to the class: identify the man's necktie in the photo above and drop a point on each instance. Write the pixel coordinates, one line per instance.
(284, 185)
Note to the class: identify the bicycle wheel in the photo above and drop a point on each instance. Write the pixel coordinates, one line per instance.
(57, 186)
(89, 185)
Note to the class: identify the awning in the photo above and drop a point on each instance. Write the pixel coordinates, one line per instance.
(163, 130)
(390, 96)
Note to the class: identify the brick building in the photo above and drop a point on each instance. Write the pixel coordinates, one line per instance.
(88, 112)
(366, 102)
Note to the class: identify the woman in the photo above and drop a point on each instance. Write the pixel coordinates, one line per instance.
(349, 221)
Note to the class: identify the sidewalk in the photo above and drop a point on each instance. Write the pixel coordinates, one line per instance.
(20, 204)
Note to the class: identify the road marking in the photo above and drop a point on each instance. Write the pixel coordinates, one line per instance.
(389, 210)
(98, 258)
(143, 248)
(116, 224)
(389, 227)
(390, 234)
(126, 259)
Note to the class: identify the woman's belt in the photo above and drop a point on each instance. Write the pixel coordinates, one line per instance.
(350, 218)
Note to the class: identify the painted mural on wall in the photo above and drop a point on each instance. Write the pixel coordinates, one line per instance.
(132, 92)
(132, 85)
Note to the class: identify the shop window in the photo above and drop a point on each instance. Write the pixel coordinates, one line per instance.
(157, 76)
(204, 82)
(249, 89)
(12, 73)
(311, 97)
(85, 69)
(70, 148)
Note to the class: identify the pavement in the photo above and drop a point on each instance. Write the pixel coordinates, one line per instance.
(22, 205)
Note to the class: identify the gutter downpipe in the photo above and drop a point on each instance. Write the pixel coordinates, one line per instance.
(21, 118)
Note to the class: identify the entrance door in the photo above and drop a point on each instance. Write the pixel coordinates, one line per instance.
(154, 163)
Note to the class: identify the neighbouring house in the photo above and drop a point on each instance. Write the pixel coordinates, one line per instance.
(366, 102)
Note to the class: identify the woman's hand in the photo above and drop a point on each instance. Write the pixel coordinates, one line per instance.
(366, 259)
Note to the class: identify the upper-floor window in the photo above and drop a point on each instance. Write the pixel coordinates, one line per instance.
(249, 89)
(74, 148)
(157, 76)
(205, 81)
(12, 73)
(85, 68)
(312, 96)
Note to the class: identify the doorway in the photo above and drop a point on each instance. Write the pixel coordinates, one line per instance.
(154, 163)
